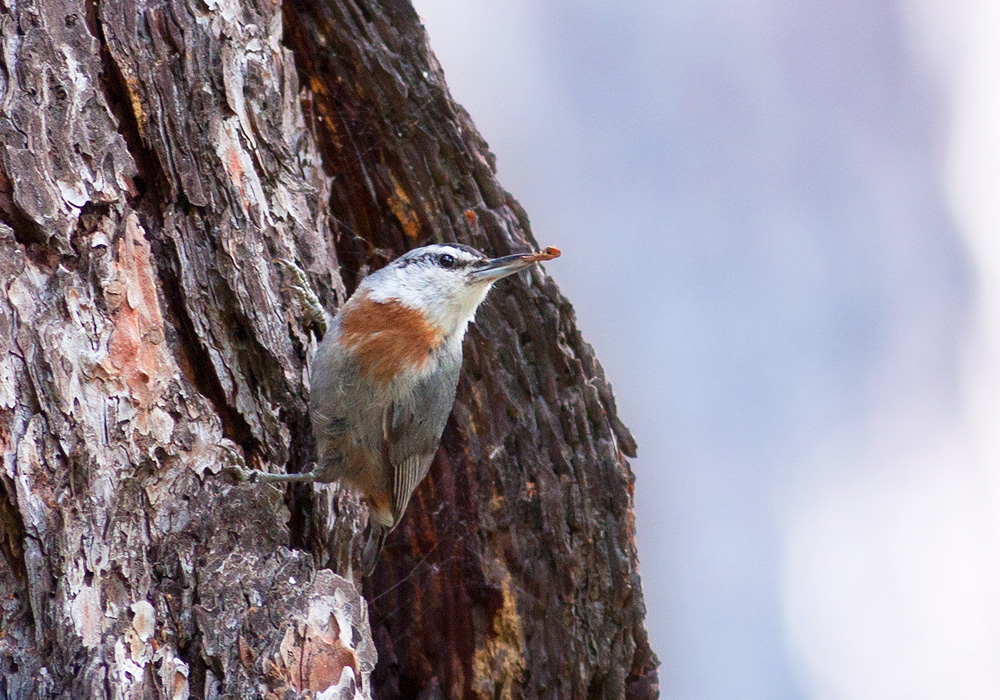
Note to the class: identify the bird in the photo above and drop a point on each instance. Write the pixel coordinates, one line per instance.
(384, 377)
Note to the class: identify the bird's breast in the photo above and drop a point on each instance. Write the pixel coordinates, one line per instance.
(387, 338)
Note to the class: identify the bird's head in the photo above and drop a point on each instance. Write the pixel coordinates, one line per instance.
(446, 283)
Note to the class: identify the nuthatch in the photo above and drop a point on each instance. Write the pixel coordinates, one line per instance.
(384, 377)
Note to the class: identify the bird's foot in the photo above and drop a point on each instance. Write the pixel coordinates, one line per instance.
(255, 476)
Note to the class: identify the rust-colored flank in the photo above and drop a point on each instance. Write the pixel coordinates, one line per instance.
(387, 337)
(547, 254)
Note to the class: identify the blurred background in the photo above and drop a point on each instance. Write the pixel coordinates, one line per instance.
(781, 231)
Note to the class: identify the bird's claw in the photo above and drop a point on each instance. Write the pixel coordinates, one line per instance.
(242, 475)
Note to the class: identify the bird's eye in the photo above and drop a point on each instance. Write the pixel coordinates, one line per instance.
(446, 260)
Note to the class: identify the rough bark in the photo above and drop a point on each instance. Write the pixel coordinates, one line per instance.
(179, 182)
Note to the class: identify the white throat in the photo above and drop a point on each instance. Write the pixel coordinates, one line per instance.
(445, 298)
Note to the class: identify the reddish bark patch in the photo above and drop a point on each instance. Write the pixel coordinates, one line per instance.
(311, 656)
(323, 662)
(135, 347)
(402, 208)
(387, 337)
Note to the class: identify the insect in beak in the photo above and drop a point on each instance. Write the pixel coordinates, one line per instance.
(498, 268)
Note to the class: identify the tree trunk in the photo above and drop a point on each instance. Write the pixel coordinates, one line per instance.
(184, 185)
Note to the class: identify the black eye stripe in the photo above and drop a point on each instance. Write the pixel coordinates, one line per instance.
(458, 259)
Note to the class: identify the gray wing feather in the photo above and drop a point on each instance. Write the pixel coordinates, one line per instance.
(413, 431)
(409, 474)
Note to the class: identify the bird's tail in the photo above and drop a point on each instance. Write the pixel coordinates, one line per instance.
(373, 547)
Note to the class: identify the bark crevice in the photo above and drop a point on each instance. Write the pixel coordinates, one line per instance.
(192, 356)
(149, 174)
(25, 229)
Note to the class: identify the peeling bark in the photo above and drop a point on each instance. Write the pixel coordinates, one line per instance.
(181, 184)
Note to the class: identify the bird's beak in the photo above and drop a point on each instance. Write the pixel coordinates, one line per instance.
(498, 268)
